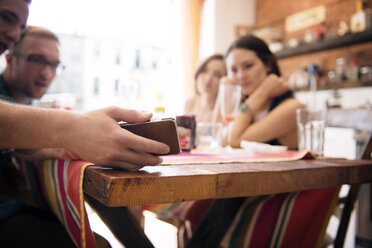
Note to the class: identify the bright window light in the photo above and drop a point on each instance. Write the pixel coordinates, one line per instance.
(116, 52)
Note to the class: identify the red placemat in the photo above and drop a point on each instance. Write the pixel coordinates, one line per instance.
(241, 157)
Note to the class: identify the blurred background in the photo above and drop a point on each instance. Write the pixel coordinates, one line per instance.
(142, 54)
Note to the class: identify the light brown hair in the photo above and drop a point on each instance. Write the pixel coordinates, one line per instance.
(34, 31)
(203, 64)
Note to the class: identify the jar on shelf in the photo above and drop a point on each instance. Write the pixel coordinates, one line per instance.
(334, 100)
(353, 75)
(366, 74)
(341, 70)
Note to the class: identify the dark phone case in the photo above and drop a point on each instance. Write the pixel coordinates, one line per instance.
(164, 131)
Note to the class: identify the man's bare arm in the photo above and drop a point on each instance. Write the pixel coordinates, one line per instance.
(94, 136)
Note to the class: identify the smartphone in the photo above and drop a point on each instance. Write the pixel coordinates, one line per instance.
(163, 130)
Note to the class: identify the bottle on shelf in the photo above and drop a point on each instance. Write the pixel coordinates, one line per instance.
(298, 79)
(334, 100)
(312, 83)
(341, 70)
(361, 19)
(353, 75)
(159, 113)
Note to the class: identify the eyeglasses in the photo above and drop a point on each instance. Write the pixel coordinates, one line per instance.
(40, 62)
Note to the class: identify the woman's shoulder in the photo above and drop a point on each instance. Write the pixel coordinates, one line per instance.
(190, 103)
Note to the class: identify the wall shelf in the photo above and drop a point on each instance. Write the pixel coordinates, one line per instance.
(342, 41)
(337, 86)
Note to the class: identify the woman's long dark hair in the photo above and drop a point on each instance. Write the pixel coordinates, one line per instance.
(260, 48)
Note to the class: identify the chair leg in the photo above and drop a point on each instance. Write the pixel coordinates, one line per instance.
(346, 213)
(215, 223)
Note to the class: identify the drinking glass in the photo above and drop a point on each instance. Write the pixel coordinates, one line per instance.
(310, 130)
(230, 96)
(208, 136)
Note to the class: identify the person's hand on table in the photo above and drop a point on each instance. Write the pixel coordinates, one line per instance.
(99, 139)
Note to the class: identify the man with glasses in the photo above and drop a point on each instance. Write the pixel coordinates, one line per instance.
(94, 136)
(31, 66)
(83, 134)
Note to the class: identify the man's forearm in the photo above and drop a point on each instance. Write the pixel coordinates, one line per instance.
(27, 127)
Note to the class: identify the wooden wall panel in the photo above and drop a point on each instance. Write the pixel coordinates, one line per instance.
(272, 13)
(326, 59)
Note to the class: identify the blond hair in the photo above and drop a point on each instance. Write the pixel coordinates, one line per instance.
(34, 31)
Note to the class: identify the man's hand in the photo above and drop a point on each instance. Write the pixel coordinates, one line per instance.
(97, 138)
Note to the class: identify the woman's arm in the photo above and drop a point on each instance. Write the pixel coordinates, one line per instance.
(278, 123)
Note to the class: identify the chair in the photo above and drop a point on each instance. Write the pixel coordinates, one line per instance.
(361, 121)
(208, 235)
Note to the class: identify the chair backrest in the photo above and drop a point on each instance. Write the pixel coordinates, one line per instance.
(361, 121)
(358, 119)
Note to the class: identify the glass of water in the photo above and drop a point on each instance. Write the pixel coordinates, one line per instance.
(310, 130)
(208, 137)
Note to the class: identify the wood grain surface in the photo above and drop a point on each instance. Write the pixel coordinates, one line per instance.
(166, 184)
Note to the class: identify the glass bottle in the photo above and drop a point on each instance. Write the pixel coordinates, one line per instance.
(353, 75)
(312, 83)
(341, 68)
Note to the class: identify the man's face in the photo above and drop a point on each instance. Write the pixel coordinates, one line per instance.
(29, 76)
(13, 18)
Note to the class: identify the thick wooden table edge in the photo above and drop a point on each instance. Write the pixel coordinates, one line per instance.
(166, 184)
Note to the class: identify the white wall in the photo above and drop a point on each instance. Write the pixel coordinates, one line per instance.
(350, 98)
(230, 13)
(220, 18)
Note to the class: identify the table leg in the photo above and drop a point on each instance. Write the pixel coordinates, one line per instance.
(122, 224)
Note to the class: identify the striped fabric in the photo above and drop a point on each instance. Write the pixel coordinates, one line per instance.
(288, 220)
(177, 213)
(297, 219)
(283, 220)
(173, 212)
(57, 185)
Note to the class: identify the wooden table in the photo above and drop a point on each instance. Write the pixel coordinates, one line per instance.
(110, 188)
(166, 184)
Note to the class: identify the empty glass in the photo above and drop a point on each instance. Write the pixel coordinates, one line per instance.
(208, 136)
(310, 130)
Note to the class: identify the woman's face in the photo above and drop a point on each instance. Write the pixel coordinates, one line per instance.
(208, 80)
(246, 68)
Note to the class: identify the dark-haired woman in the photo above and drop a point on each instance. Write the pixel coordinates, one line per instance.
(268, 110)
(267, 114)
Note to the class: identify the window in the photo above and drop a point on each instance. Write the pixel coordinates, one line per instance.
(96, 86)
(138, 59)
(116, 87)
(148, 37)
(118, 59)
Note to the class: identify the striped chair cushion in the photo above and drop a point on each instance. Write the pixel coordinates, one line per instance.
(296, 219)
